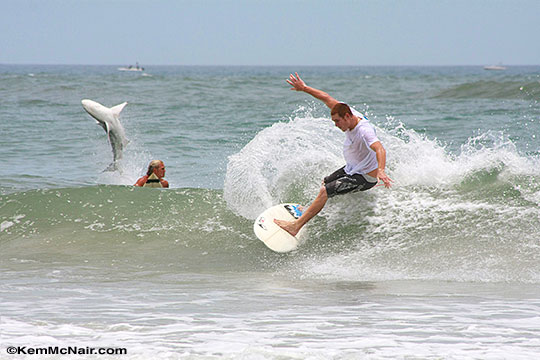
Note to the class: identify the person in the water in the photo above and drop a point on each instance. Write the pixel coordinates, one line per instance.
(154, 176)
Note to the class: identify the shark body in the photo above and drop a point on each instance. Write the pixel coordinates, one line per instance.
(108, 119)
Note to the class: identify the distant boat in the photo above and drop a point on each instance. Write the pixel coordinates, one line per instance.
(494, 67)
(131, 68)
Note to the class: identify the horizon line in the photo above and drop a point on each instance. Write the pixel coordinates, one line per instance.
(270, 65)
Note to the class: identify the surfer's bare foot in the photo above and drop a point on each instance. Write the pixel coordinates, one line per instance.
(288, 226)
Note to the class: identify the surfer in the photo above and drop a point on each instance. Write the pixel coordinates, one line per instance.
(154, 176)
(364, 155)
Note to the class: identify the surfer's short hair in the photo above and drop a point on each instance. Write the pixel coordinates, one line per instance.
(153, 164)
(341, 109)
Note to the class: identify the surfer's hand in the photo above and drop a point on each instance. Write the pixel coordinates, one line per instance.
(381, 175)
(296, 83)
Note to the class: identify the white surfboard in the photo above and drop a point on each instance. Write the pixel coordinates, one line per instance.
(271, 234)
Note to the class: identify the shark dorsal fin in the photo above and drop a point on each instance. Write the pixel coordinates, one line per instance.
(116, 110)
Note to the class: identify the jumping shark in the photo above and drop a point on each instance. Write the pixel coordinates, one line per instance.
(107, 118)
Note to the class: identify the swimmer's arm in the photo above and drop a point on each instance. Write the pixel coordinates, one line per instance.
(141, 181)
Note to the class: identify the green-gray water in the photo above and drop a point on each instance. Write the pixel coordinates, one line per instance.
(446, 264)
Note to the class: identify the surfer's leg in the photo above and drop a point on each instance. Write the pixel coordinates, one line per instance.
(313, 209)
(293, 227)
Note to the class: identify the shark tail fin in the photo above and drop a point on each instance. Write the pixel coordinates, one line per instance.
(116, 110)
(112, 167)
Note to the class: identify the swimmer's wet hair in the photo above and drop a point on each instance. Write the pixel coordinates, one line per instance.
(153, 164)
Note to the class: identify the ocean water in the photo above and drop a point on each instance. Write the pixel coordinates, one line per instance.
(445, 265)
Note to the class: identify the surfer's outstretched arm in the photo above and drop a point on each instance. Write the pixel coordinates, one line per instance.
(299, 85)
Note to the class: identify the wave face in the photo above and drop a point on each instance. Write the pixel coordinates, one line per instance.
(491, 89)
(471, 216)
(100, 225)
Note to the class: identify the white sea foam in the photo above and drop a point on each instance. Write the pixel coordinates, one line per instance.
(306, 149)
(6, 224)
(279, 320)
(285, 154)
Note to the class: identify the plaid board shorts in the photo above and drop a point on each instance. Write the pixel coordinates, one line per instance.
(339, 182)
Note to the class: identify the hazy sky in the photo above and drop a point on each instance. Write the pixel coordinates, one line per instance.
(270, 32)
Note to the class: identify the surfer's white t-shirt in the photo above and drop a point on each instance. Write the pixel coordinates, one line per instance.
(360, 158)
